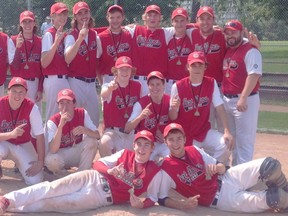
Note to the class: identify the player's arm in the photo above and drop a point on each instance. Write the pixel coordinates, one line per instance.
(17, 131)
(174, 103)
(55, 134)
(107, 89)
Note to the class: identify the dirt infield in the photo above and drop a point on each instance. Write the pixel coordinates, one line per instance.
(266, 145)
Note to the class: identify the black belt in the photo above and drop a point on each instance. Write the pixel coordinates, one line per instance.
(30, 79)
(58, 76)
(167, 80)
(236, 96)
(118, 129)
(219, 84)
(138, 77)
(215, 201)
(87, 80)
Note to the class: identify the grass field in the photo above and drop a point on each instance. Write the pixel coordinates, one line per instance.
(274, 122)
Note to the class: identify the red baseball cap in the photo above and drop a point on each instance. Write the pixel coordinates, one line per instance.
(173, 126)
(17, 81)
(115, 7)
(154, 8)
(66, 94)
(58, 8)
(205, 9)
(179, 12)
(196, 57)
(146, 135)
(26, 15)
(123, 61)
(234, 25)
(156, 74)
(79, 6)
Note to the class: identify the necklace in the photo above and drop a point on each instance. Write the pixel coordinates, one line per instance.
(125, 98)
(179, 50)
(196, 99)
(28, 54)
(14, 121)
(156, 114)
(227, 73)
(207, 49)
(116, 44)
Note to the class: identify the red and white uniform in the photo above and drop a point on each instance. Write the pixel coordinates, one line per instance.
(55, 74)
(21, 150)
(90, 189)
(3, 61)
(82, 72)
(121, 103)
(25, 62)
(197, 128)
(157, 120)
(113, 45)
(76, 151)
(187, 177)
(238, 64)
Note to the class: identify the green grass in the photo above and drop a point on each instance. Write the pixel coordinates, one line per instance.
(274, 122)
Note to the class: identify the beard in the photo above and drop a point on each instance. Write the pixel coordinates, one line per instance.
(234, 42)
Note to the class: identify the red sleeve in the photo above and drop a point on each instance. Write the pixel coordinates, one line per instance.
(148, 203)
(192, 25)
(100, 167)
(100, 29)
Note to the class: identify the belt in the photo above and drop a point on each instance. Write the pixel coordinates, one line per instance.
(215, 201)
(87, 80)
(140, 77)
(118, 129)
(30, 79)
(106, 188)
(57, 76)
(219, 84)
(170, 80)
(236, 95)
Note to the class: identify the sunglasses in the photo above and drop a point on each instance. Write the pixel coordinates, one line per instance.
(233, 25)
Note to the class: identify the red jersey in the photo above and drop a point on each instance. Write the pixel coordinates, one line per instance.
(195, 99)
(30, 58)
(67, 139)
(84, 63)
(214, 47)
(137, 175)
(178, 51)
(149, 51)
(234, 65)
(121, 103)
(159, 117)
(58, 65)
(3, 57)
(10, 119)
(189, 175)
(114, 46)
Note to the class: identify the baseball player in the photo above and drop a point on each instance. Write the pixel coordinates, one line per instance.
(190, 103)
(110, 183)
(118, 97)
(3, 61)
(203, 180)
(24, 52)
(80, 54)
(179, 47)
(54, 67)
(242, 68)
(72, 136)
(116, 41)
(151, 113)
(19, 120)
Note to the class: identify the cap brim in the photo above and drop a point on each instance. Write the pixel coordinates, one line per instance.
(123, 65)
(204, 13)
(61, 10)
(153, 10)
(65, 97)
(27, 18)
(144, 137)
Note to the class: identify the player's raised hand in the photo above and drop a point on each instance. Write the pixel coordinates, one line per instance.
(116, 171)
(175, 102)
(253, 39)
(113, 85)
(59, 35)
(19, 40)
(65, 117)
(18, 131)
(146, 111)
(83, 32)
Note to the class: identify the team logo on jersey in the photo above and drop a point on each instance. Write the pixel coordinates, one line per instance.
(60, 49)
(150, 123)
(213, 48)
(128, 177)
(83, 50)
(123, 47)
(190, 175)
(7, 126)
(151, 43)
(190, 104)
(173, 54)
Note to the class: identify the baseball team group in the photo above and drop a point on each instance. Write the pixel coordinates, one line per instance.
(180, 109)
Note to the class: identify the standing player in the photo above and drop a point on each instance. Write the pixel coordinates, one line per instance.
(203, 180)
(24, 52)
(118, 97)
(190, 103)
(116, 41)
(151, 113)
(19, 120)
(242, 68)
(117, 179)
(80, 54)
(72, 136)
(179, 47)
(52, 58)
(3, 61)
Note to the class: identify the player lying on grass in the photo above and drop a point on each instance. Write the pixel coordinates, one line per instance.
(115, 179)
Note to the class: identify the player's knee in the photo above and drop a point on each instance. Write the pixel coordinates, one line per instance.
(270, 169)
(54, 162)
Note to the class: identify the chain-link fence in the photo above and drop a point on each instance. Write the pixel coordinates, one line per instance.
(267, 18)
